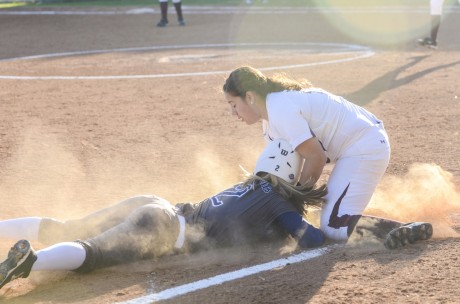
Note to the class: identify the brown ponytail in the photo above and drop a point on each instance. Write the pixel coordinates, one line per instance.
(246, 78)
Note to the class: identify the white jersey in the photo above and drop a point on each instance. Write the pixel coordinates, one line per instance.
(298, 116)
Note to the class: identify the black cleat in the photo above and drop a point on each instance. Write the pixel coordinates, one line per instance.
(428, 42)
(407, 234)
(181, 22)
(21, 258)
(162, 23)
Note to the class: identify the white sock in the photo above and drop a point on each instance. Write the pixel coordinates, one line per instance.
(20, 228)
(62, 256)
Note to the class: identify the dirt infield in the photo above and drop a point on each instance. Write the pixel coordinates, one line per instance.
(134, 109)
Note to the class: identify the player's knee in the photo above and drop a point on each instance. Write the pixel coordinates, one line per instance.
(92, 259)
(338, 233)
(339, 228)
(335, 234)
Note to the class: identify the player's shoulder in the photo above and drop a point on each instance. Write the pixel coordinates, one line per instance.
(280, 102)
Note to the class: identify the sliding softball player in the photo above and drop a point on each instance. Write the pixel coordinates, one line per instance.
(266, 206)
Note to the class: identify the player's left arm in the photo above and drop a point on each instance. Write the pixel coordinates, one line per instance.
(306, 234)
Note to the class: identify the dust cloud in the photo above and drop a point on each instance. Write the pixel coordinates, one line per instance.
(40, 175)
(47, 176)
(214, 173)
(425, 193)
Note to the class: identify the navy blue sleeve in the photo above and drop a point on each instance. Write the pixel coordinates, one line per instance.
(306, 234)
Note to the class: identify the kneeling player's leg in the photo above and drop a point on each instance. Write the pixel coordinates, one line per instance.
(350, 188)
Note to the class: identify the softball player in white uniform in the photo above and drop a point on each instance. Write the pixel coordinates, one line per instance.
(350, 136)
(323, 128)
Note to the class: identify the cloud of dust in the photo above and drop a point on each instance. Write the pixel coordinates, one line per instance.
(44, 177)
(40, 174)
(425, 193)
(217, 173)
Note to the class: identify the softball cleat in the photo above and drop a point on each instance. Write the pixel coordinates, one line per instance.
(408, 234)
(428, 42)
(162, 23)
(19, 262)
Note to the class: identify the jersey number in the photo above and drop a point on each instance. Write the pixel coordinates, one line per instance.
(237, 191)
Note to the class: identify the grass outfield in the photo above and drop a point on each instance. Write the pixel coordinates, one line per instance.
(291, 3)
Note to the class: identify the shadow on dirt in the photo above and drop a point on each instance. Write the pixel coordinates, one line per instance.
(390, 81)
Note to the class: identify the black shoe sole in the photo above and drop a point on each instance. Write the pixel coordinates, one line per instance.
(408, 234)
(21, 258)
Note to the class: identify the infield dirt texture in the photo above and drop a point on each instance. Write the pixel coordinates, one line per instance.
(82, 131)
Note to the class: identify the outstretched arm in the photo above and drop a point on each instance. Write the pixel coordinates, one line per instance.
(307, 235)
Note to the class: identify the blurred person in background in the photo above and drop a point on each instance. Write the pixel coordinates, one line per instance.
(164, 12)
(435, 22)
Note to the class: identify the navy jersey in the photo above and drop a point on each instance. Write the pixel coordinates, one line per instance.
(241, 214)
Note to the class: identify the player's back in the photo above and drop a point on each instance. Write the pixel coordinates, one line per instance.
(241, 214)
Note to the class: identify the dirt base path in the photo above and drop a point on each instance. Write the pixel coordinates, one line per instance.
(83, 131)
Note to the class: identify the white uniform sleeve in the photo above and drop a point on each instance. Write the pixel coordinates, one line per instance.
(286, 121)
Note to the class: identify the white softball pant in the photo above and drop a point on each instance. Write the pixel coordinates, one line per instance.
(174, 1)
(121, 214)
(352, 182)
(436, 7)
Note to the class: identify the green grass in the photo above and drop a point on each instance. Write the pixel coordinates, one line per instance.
(13, 4)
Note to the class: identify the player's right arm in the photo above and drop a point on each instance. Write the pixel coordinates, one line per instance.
(315, 160)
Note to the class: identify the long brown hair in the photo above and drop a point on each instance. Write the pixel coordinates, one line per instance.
(300, 196)
(247, 78)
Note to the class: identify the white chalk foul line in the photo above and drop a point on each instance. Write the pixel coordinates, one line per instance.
(354, 51)
(229, 276)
